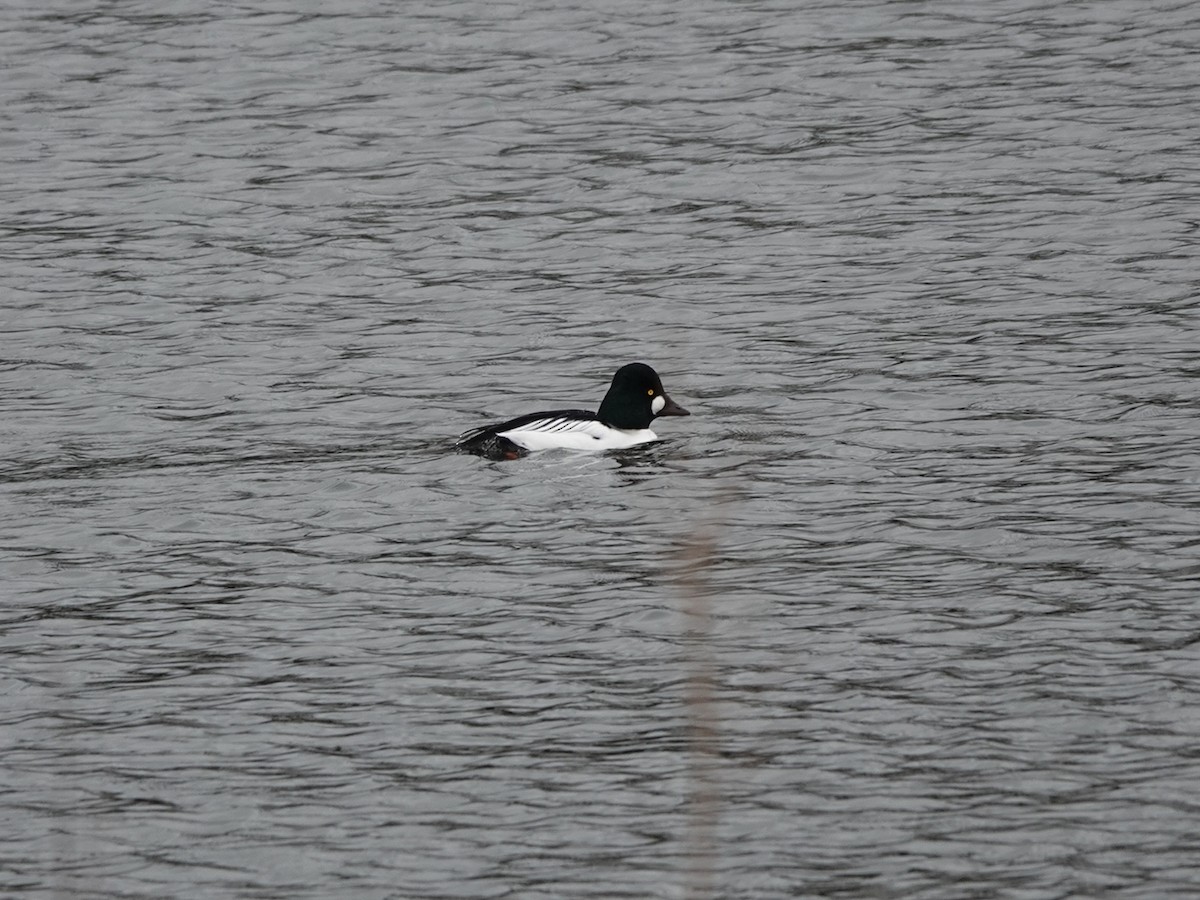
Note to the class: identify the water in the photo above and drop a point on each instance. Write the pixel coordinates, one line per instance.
(906, 609)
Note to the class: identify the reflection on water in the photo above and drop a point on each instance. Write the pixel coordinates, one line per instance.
(925, 281)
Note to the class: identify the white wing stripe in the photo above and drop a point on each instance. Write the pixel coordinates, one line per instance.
(557, 425)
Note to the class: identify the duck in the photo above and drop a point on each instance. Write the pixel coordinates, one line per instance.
(634, 400)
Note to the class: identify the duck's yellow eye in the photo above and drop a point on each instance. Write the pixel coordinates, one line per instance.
(650, 393)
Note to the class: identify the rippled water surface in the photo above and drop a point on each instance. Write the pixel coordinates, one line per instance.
(906, 609)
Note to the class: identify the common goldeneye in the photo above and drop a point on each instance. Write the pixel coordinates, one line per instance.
(633, 400)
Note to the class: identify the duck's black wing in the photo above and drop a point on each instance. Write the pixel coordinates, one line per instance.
(488, 441)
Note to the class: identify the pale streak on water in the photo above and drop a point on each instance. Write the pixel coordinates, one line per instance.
(926, 275)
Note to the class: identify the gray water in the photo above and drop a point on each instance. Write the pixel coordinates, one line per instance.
(906, 609)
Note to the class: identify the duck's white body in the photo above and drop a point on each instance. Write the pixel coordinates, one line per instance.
(576, 434)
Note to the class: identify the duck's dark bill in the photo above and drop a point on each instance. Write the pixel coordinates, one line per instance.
(672, 408)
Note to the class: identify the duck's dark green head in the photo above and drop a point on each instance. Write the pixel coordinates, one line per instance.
(635, 398)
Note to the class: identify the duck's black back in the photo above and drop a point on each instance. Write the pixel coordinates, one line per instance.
(488, 442)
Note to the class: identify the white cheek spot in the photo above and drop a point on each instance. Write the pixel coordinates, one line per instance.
(657, 404)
